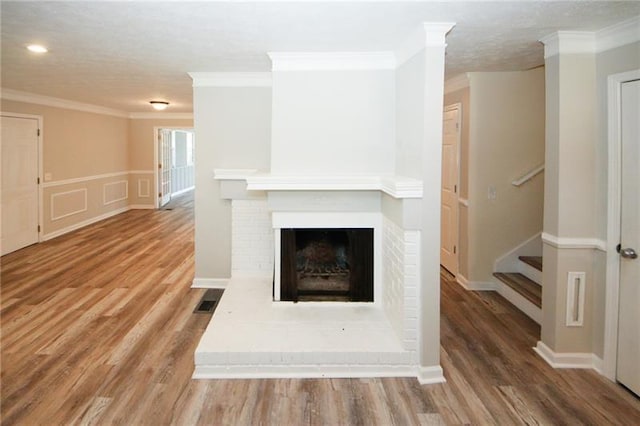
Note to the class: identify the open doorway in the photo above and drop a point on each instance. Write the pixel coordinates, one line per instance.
(174, 152)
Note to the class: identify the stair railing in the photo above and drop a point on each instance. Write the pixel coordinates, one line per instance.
(528, 176)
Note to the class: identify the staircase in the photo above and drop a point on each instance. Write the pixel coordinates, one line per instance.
(523, 288)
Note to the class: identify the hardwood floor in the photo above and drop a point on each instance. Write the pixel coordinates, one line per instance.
(98, 328)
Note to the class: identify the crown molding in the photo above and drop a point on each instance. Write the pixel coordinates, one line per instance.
(617, 35)
(231, 79)
(32, 98)
(571, 42)
(330, 61)
(161, 115)
(456, 83)
(436, 32)
(430, 34)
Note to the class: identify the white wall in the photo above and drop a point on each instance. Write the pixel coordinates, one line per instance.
(233, 127)
(338, 122)
(410, 117)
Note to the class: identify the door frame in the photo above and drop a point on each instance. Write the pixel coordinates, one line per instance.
(612, 290)
(156, 176)
(40, 137)
(447, 108)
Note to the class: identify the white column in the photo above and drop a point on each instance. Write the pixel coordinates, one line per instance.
(429, 332)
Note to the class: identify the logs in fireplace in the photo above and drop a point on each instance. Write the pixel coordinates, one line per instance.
(327, 265)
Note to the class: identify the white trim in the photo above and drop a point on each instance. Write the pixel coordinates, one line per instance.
(463, 201)
(430, 375)
(395, 186)
(118, 182)
(475, 285)
(569, 42)
(57, 194)
(209, 282)
(161, 115)
(182, 191)
(612, 287)
(517, 300)
(316, 371)
(459, 82)
(509, 261)
(84, 223)
(141, 206)
(147, 193)
(528, 176)
(620, 34)
(140, 172)
(233, 174)
(567, 359)
(436, 32)
(32, 98)
(574, 243)
(231, 79)
(82, 179)
(40, 165)
(324, 61)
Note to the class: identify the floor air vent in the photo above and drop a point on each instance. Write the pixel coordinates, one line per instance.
(208, 302)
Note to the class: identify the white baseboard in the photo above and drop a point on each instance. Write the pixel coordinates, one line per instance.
(528, 308)
(430, 375)
(302, 371)
(568, 359)
(475, 285)
(84, 223)
(142, 206)
(182, 191)
(209, 282)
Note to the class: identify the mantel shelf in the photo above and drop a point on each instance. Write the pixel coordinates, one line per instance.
(395, 186)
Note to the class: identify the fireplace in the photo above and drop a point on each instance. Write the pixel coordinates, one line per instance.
(330, 264)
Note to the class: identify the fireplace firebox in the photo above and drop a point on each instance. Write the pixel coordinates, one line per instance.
(333, 264)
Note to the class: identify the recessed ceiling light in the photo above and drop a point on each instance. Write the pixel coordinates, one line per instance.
(159, 105)
(37, 48)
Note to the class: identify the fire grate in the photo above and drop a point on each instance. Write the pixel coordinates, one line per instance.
(208, 302)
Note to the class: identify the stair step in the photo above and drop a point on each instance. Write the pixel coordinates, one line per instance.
(527, 288)
(535, 261)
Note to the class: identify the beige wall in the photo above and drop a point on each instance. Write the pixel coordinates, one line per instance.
(85, 146)
(76, 143)
(576, 197)
(506, 140)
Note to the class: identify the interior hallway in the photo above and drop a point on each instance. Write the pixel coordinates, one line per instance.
(97, 327)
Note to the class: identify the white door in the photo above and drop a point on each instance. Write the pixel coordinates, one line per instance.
(19, 156)
(628, 365)
(164, 167)
(449, 192)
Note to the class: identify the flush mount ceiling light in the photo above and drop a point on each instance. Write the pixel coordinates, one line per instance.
(159, 105)
(37, 48)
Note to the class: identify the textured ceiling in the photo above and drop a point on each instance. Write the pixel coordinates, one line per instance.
(121, 55)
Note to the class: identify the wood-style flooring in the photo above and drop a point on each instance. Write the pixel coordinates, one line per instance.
(98, 328)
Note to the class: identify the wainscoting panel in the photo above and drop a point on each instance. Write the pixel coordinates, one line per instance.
(144, 188)
(68, 203)
(115, 191)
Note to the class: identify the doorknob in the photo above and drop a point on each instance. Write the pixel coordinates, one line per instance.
(628, 253)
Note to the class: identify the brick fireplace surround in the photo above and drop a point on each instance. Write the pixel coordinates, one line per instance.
(253, 334)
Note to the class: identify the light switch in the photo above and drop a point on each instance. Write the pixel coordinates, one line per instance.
(492, 193)
(48, 177)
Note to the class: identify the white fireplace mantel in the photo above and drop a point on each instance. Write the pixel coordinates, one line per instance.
(395, 186)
